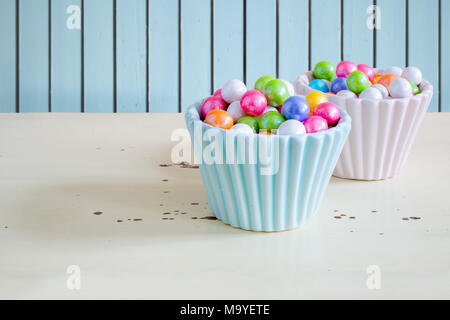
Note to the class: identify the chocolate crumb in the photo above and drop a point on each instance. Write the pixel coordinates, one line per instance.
(186, 165)
(351, 230)
(194, 203)
(97, 213)
(352, 218)
(406, 219)
(337, 217)
(164, 165)
(165, 213)
(381, 233)
(119, 220)
(137, 219)
(415, 218)
(373, 211)
(335, 210)
(122, 149)
(166, 191)
(209, 218)
(161, 205)
(129, 219)
(165, 180)
(194, 218)
(343, 215)
(165, 218)
(176, 211)
(171, 218)
(183, 212)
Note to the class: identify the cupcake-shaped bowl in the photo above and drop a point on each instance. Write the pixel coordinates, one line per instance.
(382, 131)
(265, 182)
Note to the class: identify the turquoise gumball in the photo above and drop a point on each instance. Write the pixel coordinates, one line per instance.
(319, 85)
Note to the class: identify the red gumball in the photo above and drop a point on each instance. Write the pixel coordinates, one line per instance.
(212, 103)
(329, 111)
(253, 102)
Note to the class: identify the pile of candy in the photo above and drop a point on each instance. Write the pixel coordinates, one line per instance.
(270, 108)
(362, 81)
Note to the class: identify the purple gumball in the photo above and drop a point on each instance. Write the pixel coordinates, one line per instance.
(295, 107)
(339, 84)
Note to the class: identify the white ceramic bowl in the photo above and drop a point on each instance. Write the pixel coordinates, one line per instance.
(382, 131)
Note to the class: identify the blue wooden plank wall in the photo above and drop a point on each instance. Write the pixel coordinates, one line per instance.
(162, 55)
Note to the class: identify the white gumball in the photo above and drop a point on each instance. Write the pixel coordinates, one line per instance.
(236, 111)
(412, 74)
(382, 89)
(290, 86)
(242, 128)
(371, 93)
(346, 94)
(394, 70)
(233, 90)
(291, 127)
(400, 88)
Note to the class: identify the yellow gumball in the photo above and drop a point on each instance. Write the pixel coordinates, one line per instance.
(314, 99)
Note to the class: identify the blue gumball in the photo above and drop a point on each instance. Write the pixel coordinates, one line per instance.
(339, 84)
(319, 85)
(295, 107)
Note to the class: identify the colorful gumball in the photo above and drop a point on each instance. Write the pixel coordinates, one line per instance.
(329, 111)
(295, 107)
(415, 88)
(314, 99)
(384, 92)
(371, 93)
(346, 94)
(220, 119)
(290, 87)
(400, 88)
(376, 78)
(271, 120)
(412, 74)
(291, 127)
(315, 124)
(394, 70)
(261, 82)
(276, 92)
(233, 90)
(368, 70)
(344, 68)
(218, 93)
(324, 70)
(252, 122)
(212, 103)
(268, 109)
(236, 111)
(357, 81)
(339, 84)
(386, 79)
(242, 128)
(253, 102)
(319, 85)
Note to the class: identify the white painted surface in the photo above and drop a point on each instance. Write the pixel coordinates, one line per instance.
(53, 177)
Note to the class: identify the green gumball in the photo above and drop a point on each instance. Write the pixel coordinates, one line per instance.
(271, 121)
(261, 82)
(324, 70)
(276, 92)
(252, 122)
(357, 82)
(415, 88)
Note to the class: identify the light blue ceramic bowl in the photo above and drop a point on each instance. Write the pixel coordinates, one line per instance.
(250, 192)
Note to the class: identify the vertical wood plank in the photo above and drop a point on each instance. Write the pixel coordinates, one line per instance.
(8, 56)
(228, 44)
(293, 38)
(423, 42)
(196, 51)
(164, 64)
(358, 38)
(325, 31)
(131, 56)
(445, 55)
(391, 38)
(261, 39)
(98, 56)
(66, 55)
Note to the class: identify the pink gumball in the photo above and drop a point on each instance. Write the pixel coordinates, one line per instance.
(368, 70)
(218, 93)
(212, 103)
(344, 68)
(329, 112)
(253, 102)
(315, 124)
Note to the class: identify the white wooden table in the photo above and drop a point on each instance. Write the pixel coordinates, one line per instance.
(56, 170)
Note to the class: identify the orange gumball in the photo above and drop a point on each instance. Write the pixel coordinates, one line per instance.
(376, 78)
(387, 79)
(219, 118)
(268, 133)
(331, 93)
